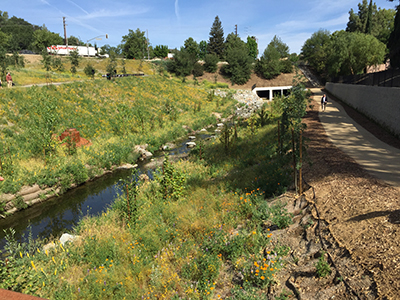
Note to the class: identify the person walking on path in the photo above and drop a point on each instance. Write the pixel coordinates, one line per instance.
(9, 80)
(324, 101)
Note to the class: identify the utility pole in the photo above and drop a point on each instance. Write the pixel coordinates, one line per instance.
(147, 33)
(236, 29)
(65, 32)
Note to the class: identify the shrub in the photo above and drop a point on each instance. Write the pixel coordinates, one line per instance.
(286, 66)
(211, 63)
(89, 70)
(57, 64)
(322, 266)
(197, 70)
(74, 58)
(280, 216)
(173, 181)
(182, 64)
(239, 65)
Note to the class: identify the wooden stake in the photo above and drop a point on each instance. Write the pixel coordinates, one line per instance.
(279, 138)
(301, 166)
(127, 203)
(294, 162)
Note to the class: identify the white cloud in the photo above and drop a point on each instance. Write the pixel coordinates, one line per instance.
(73, 3)
(103, 13)
(177, 10)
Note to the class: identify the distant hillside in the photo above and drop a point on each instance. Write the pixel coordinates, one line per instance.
(281, 80)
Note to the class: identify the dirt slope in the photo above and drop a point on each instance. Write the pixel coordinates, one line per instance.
(281, 80)
(361, 213)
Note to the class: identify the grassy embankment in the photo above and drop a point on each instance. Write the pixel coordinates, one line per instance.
(34, 73)
(113, 115)
(200, 230)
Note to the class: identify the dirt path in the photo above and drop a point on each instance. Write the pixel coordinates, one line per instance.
(361, 213)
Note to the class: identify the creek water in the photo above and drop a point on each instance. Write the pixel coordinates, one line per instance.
(61, 214)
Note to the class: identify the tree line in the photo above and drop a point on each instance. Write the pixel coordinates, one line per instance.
(240, 56)
(371, 37)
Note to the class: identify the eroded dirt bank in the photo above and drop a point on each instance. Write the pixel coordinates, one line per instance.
(352, 216)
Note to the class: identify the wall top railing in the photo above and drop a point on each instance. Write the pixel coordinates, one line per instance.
(388, 78)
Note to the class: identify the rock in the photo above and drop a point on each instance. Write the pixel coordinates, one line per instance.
(168, 146)
(203, 130)
(144, 177)
(127, 167)
(25, 190)
(190, 144)
(217, 115)
(191, 137)
(7, 197)
(220, 125)
(144, 154)
(29, 197)
(49, 246)
(66, 237)
(187, 128)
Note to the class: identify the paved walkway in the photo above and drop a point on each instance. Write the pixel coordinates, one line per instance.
(379, 159)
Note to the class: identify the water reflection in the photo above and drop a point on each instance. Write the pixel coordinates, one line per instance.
(62, 213)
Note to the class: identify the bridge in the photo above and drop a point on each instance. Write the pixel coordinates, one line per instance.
(270, 92)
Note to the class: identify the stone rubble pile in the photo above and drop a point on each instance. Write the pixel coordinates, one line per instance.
(251, 102)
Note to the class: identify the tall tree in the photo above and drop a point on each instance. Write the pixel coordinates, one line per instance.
(202, 49)
(134, 44)
(282, 48)
(315, 50)
(372, 20)
(74, 41)
(4, 39)
(20, 31)
(268, 66)
(233, 41)
(45, 38)
(239, 63)
(352, 52)
(368, 24)
(107, 49)
(160, 51)
(394, 42)
(216, 41)
(192, 47)
(252, 46)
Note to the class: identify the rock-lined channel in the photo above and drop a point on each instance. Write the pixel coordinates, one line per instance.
(61, 214)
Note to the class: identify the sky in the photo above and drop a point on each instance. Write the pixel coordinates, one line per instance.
(171, 22)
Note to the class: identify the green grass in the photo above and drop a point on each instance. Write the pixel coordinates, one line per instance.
(188, 244)
(34, 73)
(196, 231)
(113, 115)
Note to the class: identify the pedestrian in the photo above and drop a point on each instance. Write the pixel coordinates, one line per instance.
(9, 80)
(0, 84)
(324, 101)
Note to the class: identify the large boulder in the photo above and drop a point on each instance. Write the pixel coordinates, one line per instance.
(144, 154)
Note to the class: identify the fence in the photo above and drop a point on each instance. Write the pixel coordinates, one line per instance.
(388, 78)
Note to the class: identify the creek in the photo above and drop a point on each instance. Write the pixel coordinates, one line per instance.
(61, 214)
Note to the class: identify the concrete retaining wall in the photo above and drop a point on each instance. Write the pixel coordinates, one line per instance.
(381, 104)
